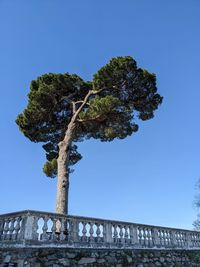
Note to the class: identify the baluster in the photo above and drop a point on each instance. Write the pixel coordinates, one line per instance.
(107, 235)
(115, 233)
(11, 230)
(91, 232)
(98, 232)
(164, 238)
(6, 229)
(170, 239)
(181, 239)
(140, 235)
(1, 229)
(126, 234)
(121, 233)
(193, 240)
(177, 239)
(161, 238)
(167, 238)
(70, 230)
(69, 226)
(84, 231)
(63, 229)
(53, 229)
(145, 237)
(17, 227)
(172, 244)
(149, 237)
(44, 235)
(198, 240)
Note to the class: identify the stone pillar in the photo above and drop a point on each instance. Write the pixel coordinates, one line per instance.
(156, 239)
(134, 236)
(188, 240)
(75, 231)
(30, 228)
(108, 232)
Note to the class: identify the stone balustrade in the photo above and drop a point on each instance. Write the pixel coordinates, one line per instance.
(34, 228)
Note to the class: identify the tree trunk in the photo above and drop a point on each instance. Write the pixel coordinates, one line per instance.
(63, 159)
(63, 171)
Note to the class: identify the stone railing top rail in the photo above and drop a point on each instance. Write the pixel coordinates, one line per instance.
(83, 218)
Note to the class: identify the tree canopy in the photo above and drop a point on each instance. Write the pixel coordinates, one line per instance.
(120, 92)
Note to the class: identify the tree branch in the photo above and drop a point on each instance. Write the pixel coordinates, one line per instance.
(82, 105)
(84, 102)
(78, 102)
(74, 106)
(91, 119)
(71, 125)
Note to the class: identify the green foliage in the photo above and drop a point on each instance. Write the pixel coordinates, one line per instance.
(132, 85)
(107, 118)
(123, 92)
(50, 168)
(99, 108)
(49, 107)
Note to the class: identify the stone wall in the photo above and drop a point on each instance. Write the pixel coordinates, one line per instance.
(29, 257)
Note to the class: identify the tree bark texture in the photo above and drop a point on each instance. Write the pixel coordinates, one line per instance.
(63, 171)
(63, 159)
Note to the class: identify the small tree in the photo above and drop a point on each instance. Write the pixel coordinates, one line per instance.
(63, 109)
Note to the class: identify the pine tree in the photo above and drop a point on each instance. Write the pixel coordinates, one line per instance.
(63, 109)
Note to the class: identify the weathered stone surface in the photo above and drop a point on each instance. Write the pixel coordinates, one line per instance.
(86, 260)
(71, 255)
(68, 257)
(20, 229)
(129, 259)
(7, 258)
(100, 261)
(65, 262)
(21, 263)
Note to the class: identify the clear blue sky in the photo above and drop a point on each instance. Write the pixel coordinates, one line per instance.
(147, 178)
